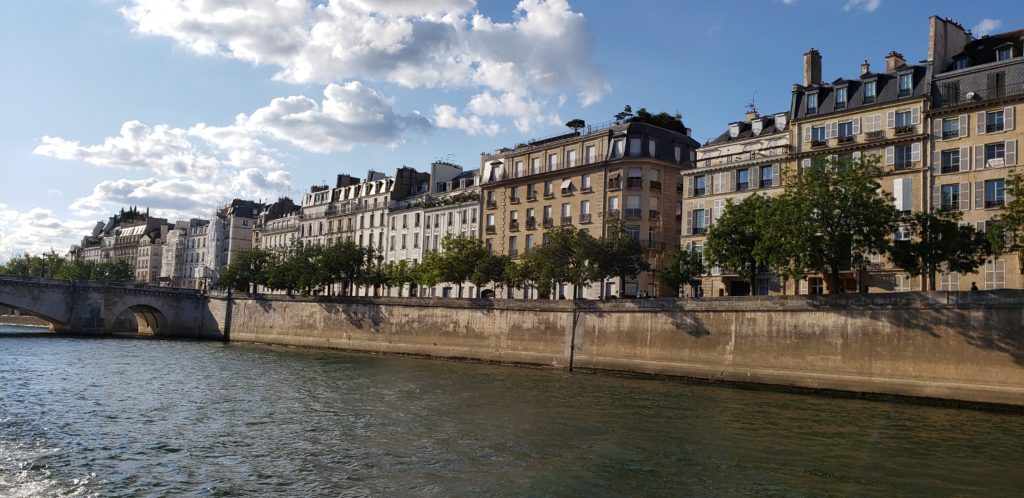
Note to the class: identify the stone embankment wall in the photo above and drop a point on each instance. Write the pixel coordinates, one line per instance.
(960, 346)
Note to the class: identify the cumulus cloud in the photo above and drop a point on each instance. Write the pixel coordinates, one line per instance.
(525, 111)
(865, 5)
(986, 27)
(446, 116)
(192, 170)
(415, 43)
(36, 231)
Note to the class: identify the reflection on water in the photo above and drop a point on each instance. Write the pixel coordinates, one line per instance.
(151, 417)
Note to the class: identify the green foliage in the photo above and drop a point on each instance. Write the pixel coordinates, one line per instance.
(570, 255)
(1006, 232)
(55, 266)
(459, 259)
(682, 268)
(490, 269)
(937, 239)
(247, 270)
(344, 261)
(840, 216)
(664, 120)
(740, 238)
(576, 124)
(619, 255)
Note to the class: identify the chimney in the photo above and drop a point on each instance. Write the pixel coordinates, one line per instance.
(894, 61)
(865, 68)
(751, 114)
(812, 67)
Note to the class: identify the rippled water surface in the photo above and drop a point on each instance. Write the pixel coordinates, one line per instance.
(131, 417)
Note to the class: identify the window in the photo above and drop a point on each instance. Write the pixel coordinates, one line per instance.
(570, 158)
(700, 185)
(531, 192)
(906, 83)
(816, 285)
(490, 220)
(869, 91)
(633, 231)
(678, 151)
(995, 195)
(845, 130)
(617, 145)
(591, 153)
(585, 183)
(951, 161)
(994, 154)
(529, 242)
(873, 123)
(652, 147)
(841, 98)
(995, 274)
(699, 222)
(519, 169)
(903, 156)
(633, 207)
(960, 63)
(767, 173)
(742, 179)
(993, 121)
(552, 162)
(812, 103)
(549, 189)
(950, 128)
(1003, 53)
(818, 135)
(902, 119)
(950, 197)
(535, 166)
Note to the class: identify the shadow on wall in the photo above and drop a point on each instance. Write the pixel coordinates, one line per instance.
(684, 321)
(361, 314)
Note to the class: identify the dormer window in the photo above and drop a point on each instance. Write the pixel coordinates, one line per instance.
(1004, 53)
(756, 126)
(870, 91)
(906, 84)
(812, 103)
(960, 63)
(734, 130)
(841, 97)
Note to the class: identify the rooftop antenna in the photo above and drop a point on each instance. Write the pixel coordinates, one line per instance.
(751, 107)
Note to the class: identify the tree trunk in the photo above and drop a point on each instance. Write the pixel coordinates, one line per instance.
(834, 277)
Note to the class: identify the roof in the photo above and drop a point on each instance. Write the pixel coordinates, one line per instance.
(746, 130)
(983, 50)
(886, 91)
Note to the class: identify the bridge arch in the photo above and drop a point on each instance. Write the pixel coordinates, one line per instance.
(149, 319)
(55, 324)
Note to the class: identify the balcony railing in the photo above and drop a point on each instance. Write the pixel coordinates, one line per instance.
(513, 225)
(848, 139)
(586, 189)
(994, 127)
(549, 222)
(905, 129)
(531, 196)
(946, 95)
(741, 186)
(513, 200)
(819, 143)
(549, 195)
(634, 183)
(513, 253)
(698, 231)
(948, 134)
(615, 184)
(767, 183)
(585, 218)
(875, 135)
(697, 192)
(634, 213)
(490, 229)
(566, 220)
(614, 213)
(656, 185)
(492, 204)
(654, 215)
(994, 204)
(531, 224)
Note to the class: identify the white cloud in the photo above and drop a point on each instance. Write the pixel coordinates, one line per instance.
(865, 5)
(446, 116)
(415, 43)
(524, 111)
(36, 231)
(986, 27)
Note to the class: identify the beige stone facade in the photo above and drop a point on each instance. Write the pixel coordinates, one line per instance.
(627, 171)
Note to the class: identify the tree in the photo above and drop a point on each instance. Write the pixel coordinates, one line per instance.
(428, 272)
(1005, 232)
(490, 269)
(684, 267)
(664, 120)
(620, 256)
(738, 240)
(936, 239)
(459, 258)
(374, 274)
(400, 273)
(344, 261)
(576, 124)
(625, 115)
(247, 270)
(569, 255)
(842, 216)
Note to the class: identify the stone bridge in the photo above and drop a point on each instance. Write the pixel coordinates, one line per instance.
(90, 307)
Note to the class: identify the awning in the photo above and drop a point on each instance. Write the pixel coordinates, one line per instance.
(566, 184)
(614, 174)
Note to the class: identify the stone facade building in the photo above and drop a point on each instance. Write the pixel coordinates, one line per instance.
(628, 171)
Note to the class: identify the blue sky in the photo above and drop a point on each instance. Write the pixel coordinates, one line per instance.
(181, 105)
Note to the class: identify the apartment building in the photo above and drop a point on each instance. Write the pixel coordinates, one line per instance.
(876, 114)
(747, 159)
(628, 171)
(977, 87)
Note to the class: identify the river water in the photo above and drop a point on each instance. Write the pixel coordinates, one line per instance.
(135, 417)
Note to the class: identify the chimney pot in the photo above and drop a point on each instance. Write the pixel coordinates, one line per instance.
(894, 61)
(812, 67)
(865, 68)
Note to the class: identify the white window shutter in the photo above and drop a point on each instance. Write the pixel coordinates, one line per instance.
(979, 157)
(964, 125)
(936, 129)
(856, 155)
(915, 152)
(965, 196)
(754, 177)
(897, 193)
(805, 163)
(979, 194)
(856, 126)
(908, 194)
(890, 119)
(890, 155)
(689, 186)
(731, 186)
(936, 197)
(936, 162)
(688, 217)
(1008, 118)
(807, 134)
(915, 115)
(965, 158)
(980, 118)
(777, 175)
(828, 130)
(1010, 156)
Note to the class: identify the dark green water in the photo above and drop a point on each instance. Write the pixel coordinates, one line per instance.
(128, 417)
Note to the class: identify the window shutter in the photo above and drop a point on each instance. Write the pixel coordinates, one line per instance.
(936, 197)
(980, 125)
(754, 177)
(688, 216)
(979, 157)
(937, 162)
(915, 152)
(979, 195)
(908, 194)
(965, 125)
(890, 155)
(805, 163)
(856, 126)
(897, 193)
(732, 181)
(828, 130)
(965, 158)
(807, 134)
(1008, 118)
(776, 175)
(915, 115)
(890, 119)
(689, 186)
(1010, 156)
(981, 226)
(936, 129)
(856, 155)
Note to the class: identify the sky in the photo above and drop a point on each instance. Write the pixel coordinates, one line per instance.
(179, 106)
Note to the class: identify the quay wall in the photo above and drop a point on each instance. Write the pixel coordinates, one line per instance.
(956, 346)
